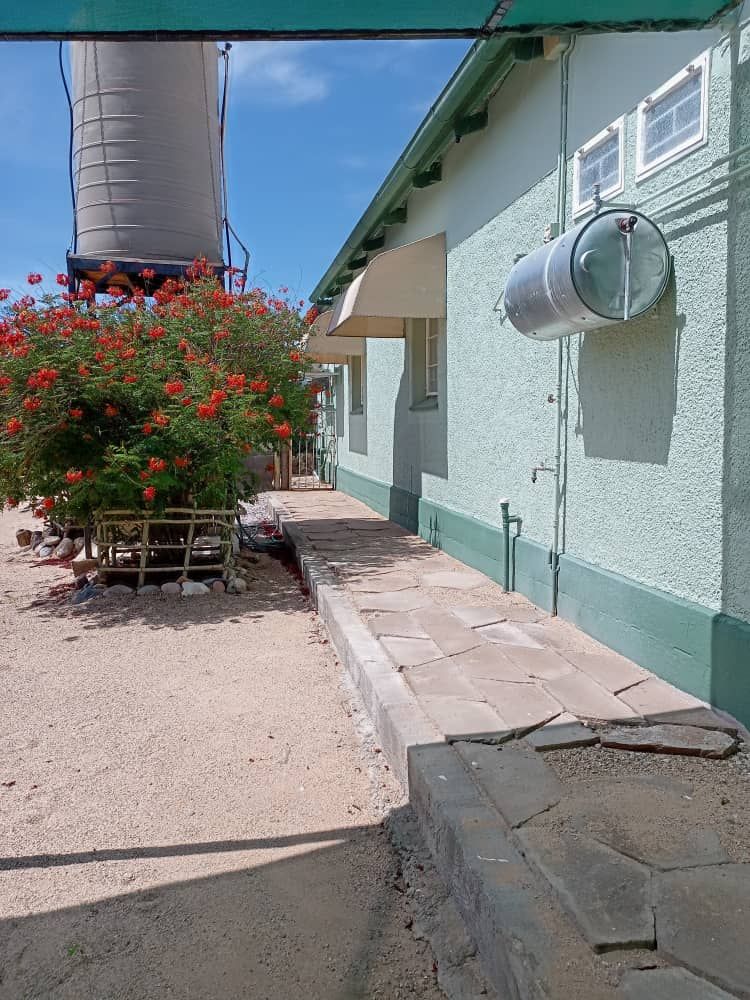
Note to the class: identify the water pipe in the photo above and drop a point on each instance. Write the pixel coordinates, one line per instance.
(508, 519)
(561, 212)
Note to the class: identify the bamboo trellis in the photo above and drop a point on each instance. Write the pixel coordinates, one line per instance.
(124, 546)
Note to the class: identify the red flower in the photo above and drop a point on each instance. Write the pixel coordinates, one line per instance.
(218, 396)
(259, 385)
(14, 426)
(236, 382)
(5, 381)
(110, 410)
(157, 464)
(160, 419)
(45, 378)
(31, 403)
(128, 354)
(182, 462)
(149, 493)
(276, 400)
(129, 379)
(221, 335)
(283, 430)
(34, 278)
(4, 294)
(148, 273)
(206, 411)
(270, 467)
(187, 400)
(183, 345)
(76, 413)
(147, 428)
(74, 475)
(144, 475)
(157, 332)
(61, 279)
(40, 512)
(295, 356)
(174, 388)
(190, 356)
(48, 503)
(83, 371)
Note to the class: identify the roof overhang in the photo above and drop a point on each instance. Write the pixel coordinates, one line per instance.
(330, 350)
(407, 282)
(236, 19)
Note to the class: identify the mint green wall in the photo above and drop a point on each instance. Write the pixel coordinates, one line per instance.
(657, 500)
(645, 428)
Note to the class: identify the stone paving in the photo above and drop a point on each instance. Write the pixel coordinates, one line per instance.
(631, 859)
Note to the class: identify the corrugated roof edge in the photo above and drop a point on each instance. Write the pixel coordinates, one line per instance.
(481, 72)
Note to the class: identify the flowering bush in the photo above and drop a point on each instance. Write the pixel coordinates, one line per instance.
(127, 402)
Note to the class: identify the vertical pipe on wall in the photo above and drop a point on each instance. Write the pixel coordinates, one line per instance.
(562, 197)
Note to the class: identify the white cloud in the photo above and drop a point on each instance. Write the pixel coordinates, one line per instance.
(278, 72)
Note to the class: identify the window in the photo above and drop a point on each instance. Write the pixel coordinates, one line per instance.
(424, 341)
(598, 162)
(431, 358)
(356, 392)
(672, 120)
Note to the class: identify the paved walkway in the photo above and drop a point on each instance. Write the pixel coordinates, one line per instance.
(482, 663)
(591, 820)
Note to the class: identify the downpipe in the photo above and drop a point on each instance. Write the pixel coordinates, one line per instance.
(562, 195)
(508, 519)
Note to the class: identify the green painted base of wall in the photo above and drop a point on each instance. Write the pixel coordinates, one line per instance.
(698, 650)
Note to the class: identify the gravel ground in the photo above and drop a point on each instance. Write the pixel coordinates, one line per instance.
(187, 806)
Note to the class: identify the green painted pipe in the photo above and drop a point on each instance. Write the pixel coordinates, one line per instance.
(508, 519)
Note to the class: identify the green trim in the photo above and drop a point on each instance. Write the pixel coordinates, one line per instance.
(699, 650)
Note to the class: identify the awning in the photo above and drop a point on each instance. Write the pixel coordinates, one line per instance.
(330, 350)
(407, 282)
(334, 19)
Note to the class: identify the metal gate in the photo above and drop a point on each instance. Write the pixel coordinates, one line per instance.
(313, 457)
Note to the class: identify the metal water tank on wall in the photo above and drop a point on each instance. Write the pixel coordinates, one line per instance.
(611, 268)
(146, 151)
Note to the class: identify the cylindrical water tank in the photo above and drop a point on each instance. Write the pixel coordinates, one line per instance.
(613, 267)
(146, 151)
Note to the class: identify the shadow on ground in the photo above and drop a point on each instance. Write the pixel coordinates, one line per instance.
(321, 924)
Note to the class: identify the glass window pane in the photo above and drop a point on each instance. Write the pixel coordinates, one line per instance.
(674, 119)
(600, 165)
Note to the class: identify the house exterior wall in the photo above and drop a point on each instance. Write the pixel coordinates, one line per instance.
(657, 429)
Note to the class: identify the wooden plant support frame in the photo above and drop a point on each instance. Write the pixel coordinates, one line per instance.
(127, 532)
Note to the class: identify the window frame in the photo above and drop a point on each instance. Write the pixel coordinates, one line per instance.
(432, 335)
(644, 170)
(356, 402)
(618, 126)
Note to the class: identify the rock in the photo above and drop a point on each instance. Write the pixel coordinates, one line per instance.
(171, 588)
(218, 587)
(83, 565)
(78, 543)
(82, 581)
(118, 590)
(686, 740)
(237, 586)
(36, 539)
(668, 984)
(45, 551)
(64, 549)
(148, 590)
(23, 537)
(52, 539)
(183, 579)
(192, 588)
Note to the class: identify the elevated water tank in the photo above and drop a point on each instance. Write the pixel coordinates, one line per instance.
(613, 267)
(146, 152)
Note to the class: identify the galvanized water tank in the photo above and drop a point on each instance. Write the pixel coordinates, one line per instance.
(613, 267)
(146, 151)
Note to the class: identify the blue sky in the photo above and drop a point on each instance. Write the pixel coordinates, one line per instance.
(313, 129)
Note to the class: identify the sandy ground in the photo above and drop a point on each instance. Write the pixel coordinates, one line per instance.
(186, 808)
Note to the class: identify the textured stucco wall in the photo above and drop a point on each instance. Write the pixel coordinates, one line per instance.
(648, 492)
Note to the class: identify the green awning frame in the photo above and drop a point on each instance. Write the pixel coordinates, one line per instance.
(237, 19)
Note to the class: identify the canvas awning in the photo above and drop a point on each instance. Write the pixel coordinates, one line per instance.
(407, 282)
(336, 19)
(330, 350)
